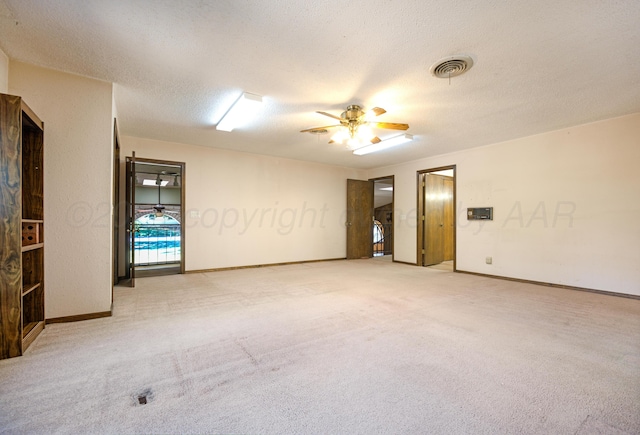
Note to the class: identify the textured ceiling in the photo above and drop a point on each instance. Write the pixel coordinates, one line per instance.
(178, 65)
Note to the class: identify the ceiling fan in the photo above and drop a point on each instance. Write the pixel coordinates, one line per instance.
(357, 128)
(159, 209)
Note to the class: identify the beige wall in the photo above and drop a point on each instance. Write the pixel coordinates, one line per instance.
(566, 206)
(246, 209)
(566, 203)
(4, 73)
(77, 114)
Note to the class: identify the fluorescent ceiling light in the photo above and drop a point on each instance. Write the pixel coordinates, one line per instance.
(242, 110)
(394, 141)
(147, 182)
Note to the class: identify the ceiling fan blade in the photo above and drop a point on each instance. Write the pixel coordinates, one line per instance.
(378, 111)
(390, 125)
(320, 128)
(330, 115)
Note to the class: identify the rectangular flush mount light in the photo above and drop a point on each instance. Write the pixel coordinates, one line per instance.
(241, 111)
(382, 145)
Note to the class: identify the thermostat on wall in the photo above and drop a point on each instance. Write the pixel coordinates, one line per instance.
(480, 213)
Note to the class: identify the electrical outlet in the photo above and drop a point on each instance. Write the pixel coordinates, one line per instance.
(489, 260)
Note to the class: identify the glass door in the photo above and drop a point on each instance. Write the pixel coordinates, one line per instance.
(156, 212)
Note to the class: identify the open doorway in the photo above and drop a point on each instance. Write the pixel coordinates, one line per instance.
(436, 218)
(155, 193)
(383, 217)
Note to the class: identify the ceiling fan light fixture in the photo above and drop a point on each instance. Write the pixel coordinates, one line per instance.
(375, 111)
(382, 145)
(365, 133)
(354, 129)
(341, 136)
(244, 108)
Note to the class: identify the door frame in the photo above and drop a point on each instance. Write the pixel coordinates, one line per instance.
(421, 209)
(116, 207)
(393, 201)
(130, 201)
(130, 207)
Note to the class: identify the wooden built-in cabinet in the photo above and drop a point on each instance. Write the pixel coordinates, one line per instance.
(21, 226)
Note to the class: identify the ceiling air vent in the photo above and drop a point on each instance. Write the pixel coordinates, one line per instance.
(451, 66)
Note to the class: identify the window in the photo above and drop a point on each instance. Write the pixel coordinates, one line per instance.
(157, 239)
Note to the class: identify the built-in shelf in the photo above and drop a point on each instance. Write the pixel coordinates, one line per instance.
(22, 284)
(32, 232)
(26, 329)
(30, 331)
(32, 247)
(29, 288)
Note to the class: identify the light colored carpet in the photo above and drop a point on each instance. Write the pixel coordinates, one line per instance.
(341, 347)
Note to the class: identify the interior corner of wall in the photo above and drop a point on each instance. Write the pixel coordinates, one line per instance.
(4, 72)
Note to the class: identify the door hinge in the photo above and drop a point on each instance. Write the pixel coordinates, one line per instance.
(423, 252)
(422, 218)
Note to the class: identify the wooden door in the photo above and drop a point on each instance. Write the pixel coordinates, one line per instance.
(433, 220)
(448, 219)
(359, 219)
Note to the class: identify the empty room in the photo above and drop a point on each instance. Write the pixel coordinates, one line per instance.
(320, 217)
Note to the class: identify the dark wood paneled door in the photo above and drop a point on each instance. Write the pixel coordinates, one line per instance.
(359, 219)
(116, 207)
(130, 260)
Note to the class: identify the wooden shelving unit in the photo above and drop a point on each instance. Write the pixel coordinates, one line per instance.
(21, 226)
